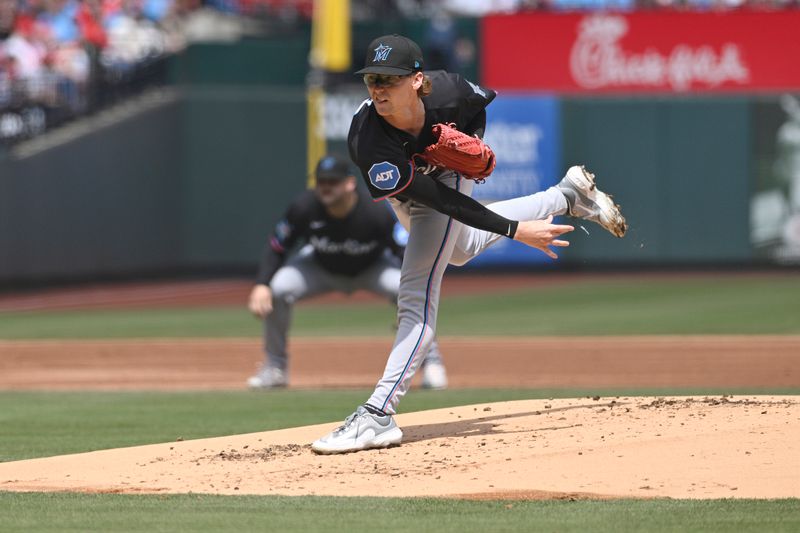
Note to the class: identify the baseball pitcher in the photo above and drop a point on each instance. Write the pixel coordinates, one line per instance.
(417, 141)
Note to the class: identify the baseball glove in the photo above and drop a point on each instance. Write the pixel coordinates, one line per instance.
(469, 156)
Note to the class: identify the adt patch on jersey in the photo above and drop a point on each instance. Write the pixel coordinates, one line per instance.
(384, 176)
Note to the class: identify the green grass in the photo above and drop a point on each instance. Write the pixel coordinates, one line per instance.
(40, 424)
(133, 323)
(37, 424)
(83, 512)
(725, 305)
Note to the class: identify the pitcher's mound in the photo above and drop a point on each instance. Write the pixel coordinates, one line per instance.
(572, 448)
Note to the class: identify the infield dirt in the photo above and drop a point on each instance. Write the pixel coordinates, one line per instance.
(755, 361)
(721, 447)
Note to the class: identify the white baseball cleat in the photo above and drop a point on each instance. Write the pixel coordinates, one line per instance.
(588, 202)
(269, 377)
(434, 376)
(361, 431)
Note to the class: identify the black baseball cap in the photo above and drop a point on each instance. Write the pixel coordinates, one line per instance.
(393, 55)
(332, 167)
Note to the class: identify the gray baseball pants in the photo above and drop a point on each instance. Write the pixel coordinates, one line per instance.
(302, 277)
(435, 240)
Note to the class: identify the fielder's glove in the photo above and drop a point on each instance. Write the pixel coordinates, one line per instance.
(454, 150)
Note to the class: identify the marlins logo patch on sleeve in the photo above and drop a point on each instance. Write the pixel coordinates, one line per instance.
(384, 176)
(476, 89)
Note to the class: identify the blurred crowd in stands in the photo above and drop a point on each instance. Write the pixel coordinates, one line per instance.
(60, 58)
(478, 8)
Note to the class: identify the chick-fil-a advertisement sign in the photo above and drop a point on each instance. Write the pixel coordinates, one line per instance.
(643, 52)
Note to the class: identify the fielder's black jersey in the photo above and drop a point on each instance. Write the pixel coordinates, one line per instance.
(384, 153)
(345, 246)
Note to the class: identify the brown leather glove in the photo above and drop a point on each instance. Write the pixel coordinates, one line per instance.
(454, 150)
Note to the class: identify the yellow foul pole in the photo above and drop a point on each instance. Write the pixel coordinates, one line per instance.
(330, 51)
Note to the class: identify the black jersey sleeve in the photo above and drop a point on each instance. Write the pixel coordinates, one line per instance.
(477, 126)
(436, 195)
(383, 162)
(288, 231)
(472, 108)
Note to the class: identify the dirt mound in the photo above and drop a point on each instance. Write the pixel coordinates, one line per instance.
(675, 447)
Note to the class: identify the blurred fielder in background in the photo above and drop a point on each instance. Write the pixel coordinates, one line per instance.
(350, 244)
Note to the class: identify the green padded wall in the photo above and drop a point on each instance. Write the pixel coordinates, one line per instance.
(105, 203)
(680, 170)
(244, 159)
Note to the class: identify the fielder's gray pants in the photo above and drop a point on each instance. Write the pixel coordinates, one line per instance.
(302, 277)
(435, 240)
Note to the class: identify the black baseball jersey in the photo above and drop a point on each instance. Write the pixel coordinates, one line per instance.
(344, 246)
(384, 153)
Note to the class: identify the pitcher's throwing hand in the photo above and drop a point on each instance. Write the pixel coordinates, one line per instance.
(541, 234)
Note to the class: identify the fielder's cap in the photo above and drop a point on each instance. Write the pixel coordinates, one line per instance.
(392, 55)
(332, 167)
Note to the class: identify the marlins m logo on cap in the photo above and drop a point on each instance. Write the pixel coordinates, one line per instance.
(382, 53)
(327, 163)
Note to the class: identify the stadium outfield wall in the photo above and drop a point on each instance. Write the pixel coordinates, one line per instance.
(196, 183)
(190, 185)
